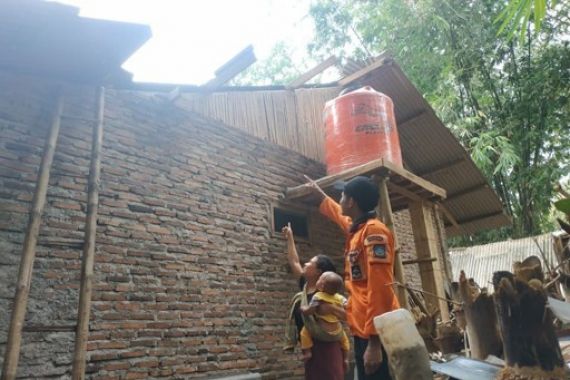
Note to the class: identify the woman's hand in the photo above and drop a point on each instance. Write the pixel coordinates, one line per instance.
(308, 310)
(287, 231)
(292, 255)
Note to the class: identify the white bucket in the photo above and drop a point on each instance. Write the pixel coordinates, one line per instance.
(407, 353)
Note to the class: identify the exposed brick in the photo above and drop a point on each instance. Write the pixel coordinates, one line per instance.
(136, 375)
(190, 281)
(116, 366)
(132, 354)
(140, 208)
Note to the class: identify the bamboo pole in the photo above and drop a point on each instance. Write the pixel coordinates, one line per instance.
(13, 344)
(82, 333)
(386, 209)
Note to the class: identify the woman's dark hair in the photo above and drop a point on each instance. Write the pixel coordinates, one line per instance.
(325, 264)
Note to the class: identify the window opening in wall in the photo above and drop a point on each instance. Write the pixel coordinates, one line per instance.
(298, 221)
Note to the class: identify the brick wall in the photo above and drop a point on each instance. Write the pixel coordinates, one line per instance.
(190, 280)
(406, 242)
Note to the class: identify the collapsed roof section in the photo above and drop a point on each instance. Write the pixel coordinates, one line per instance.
(51, 40)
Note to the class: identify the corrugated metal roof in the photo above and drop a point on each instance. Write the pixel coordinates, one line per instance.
(430, 150)
(480, 262)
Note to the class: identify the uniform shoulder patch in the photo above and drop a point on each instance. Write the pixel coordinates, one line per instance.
(377, 246)
(375, 239)
(379, 251)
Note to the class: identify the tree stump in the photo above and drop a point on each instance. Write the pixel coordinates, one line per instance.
(530, 346)
(530, 268)
(481, 322)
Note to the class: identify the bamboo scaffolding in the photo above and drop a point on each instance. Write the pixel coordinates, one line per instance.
(13, 344)
(82, 333)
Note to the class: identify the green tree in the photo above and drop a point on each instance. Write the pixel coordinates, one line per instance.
(517, 13)
(276, 69)
(507, 100)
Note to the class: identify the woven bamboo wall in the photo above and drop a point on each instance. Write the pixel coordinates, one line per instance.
(290, 118)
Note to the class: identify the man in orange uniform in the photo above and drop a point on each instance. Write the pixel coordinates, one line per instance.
(368, 268)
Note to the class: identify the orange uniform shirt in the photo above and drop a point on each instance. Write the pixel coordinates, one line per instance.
(368, 267)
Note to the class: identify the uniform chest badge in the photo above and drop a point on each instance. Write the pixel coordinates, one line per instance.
(353, 256)
(356, 270)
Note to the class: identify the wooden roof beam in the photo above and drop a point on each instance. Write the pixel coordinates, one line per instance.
(382, 60)
(378, 167)
(465, 191)
(233, 67)
(472, 225)
(478, 218)
(404, 192)
(447, 166)
(412, 119)
(449, 216)
(330, 61)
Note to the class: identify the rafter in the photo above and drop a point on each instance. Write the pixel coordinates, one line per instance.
(332, 60)
(445, 167)
(465, 191)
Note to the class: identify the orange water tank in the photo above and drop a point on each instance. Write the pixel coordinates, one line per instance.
(360, 127)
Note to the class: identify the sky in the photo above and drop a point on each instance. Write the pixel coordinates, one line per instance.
(192, 38)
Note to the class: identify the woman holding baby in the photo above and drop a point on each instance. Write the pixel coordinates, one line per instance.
(323, 359)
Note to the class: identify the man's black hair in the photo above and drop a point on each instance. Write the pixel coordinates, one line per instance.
(363, 190)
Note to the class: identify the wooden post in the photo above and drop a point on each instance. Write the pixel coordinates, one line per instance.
(388, 219)
(440, 231)
(12, 353)
(82, 334)
(426, 248)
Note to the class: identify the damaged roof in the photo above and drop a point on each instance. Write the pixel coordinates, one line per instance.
(293, 118)
(51, 40)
